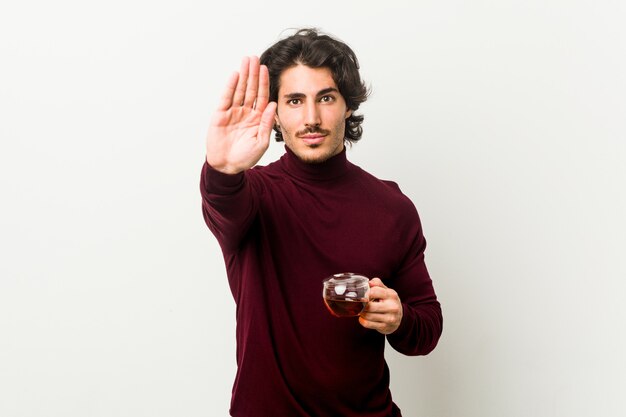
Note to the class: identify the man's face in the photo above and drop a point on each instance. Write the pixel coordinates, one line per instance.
(311, 113)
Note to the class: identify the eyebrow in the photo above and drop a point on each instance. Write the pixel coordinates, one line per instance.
(325, 91)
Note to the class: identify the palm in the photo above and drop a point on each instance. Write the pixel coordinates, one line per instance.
(237, 130)
(240, 128)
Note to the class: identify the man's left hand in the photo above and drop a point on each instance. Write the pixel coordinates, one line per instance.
(383, 312)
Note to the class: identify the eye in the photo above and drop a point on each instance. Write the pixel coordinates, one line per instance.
(294, 101)
(327, 99)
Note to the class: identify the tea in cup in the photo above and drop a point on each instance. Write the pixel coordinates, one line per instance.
(346, 294)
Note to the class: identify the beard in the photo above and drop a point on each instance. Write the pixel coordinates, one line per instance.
(318, 152)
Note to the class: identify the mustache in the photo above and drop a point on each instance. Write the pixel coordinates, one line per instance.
(312, 129)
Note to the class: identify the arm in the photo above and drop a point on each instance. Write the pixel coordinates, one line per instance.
(409, 314)
(237, 138)
(229, 205)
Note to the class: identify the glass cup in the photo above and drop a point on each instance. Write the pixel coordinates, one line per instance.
(346, 294)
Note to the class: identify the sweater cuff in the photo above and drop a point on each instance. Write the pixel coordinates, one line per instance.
(405, 324)
(217, 182)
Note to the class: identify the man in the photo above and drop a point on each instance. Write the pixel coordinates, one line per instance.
(285, 227)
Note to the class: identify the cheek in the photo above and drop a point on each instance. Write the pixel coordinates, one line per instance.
(287, 119)
(334, 118)
(341, 122)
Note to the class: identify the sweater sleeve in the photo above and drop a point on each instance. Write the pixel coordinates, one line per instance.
(422, 320)
(229, 205)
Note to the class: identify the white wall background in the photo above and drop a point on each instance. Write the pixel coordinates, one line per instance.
(504, 121)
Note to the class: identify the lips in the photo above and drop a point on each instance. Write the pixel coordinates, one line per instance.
(313, 139)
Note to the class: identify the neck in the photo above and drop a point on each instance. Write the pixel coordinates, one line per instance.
(334, 167)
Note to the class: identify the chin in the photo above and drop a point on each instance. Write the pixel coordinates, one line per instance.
(313, 155)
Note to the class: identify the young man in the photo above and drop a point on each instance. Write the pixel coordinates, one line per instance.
(285, 227)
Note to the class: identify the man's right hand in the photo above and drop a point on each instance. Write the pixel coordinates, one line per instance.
(240, 128)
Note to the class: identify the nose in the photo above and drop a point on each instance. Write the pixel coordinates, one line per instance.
(312, 116)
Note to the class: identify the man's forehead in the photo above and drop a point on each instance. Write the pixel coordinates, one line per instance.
(306, 80)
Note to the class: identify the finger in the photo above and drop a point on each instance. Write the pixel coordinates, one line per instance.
(386, 327)
(374, 317)
(379, 293)
(267, 122)
(374, 325)
(365, 322)
(373, 306)
(253, 82)
(389, 318)
(380, 306)
(377, 282)
(227, 97)
(264, 88)
(240, 91)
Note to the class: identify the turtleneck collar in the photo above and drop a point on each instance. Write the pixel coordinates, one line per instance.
(334, 167)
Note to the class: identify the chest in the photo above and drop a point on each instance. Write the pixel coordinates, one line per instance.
(334, 229)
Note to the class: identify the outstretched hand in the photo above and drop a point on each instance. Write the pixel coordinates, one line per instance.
(384, 310)
(240, 128)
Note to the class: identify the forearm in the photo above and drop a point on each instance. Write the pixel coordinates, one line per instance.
(228, 205)
(419, 330)
(422, 319)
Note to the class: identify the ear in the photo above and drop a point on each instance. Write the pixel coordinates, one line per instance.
(348, 113)
(276, 122)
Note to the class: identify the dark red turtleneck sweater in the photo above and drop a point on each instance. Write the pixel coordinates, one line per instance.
(285, 227)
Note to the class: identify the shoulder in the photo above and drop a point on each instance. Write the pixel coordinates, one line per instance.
(262, 177)
(385, 192)
(384, 186)
(269, 170)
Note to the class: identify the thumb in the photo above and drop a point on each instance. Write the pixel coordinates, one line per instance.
(376, 282)
(267, 122)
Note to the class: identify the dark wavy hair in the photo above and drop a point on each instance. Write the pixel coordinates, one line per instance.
(316, 50)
